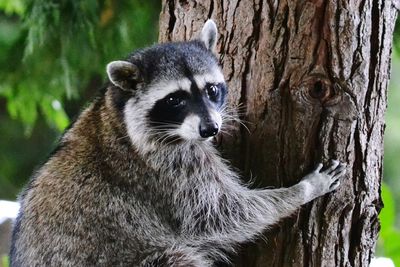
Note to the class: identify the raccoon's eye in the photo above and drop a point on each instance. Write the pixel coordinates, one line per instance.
(174, 101)
(212, 91)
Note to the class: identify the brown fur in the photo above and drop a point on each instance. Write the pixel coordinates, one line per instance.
(65, 199)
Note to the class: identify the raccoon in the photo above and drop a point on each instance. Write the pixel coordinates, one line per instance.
(136, 180)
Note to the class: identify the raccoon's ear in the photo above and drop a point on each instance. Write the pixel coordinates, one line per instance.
(209, 35)
(123, 74)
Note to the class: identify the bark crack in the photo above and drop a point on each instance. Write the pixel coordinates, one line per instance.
(172, 18)
(374, 52)
(211, 9)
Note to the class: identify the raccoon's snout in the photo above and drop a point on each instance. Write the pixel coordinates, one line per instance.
(208, 129)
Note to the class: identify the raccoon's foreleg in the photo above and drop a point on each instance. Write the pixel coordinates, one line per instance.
(250, 212)
(282, 202)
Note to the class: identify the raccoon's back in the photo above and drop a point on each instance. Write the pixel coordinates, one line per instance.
(52, 215)
(75, 217)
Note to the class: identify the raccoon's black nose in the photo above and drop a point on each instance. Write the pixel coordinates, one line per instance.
(208, 129)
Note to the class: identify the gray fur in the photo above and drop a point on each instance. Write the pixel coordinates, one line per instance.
(111, 195)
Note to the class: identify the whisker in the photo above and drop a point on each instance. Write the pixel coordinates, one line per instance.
(226, 132)
(122, 137)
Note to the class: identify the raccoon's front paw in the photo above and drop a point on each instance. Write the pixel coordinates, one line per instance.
(320, 182)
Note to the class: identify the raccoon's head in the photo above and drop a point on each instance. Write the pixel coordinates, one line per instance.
(176, 90)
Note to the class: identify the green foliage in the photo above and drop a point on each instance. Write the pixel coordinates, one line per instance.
(51, 49)
(4, 261)
(53, 55)
(19, 155)
(12, 6)
(392, 134)
(396, 36)
(388, 243)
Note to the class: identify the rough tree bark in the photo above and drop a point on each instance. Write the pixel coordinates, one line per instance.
(311, 77)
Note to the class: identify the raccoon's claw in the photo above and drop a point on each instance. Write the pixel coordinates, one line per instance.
(334, 185)
(319, 167)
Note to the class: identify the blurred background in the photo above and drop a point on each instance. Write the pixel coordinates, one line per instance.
(52, 58)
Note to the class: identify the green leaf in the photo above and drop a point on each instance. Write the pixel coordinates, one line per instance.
(388, 213)
(54, 113)
(60, 49)
(13, 7)
(388, 243)
(4, 261)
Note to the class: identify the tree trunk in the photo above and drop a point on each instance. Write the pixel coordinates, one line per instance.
(310, 81)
